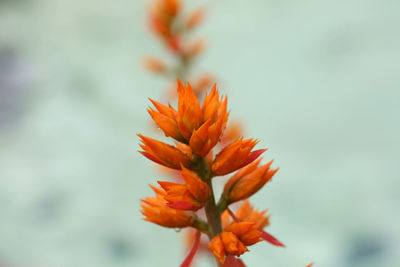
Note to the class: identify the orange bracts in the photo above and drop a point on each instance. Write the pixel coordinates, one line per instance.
(247, 213)
(164, 154)
(247, 181)
(215, 115)
(156, 211)
(189, 196)
(235, 156)
(190, 115)
(234, 239)
(199, 126)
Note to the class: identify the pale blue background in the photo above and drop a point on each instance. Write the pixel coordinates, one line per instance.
(317, 81)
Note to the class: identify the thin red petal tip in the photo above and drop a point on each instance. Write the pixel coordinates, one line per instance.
(232, 261)
(271, 239)
(190, 256)
(183, 206)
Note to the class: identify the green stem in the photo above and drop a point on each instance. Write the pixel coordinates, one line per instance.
(201, 225)
(213, 215)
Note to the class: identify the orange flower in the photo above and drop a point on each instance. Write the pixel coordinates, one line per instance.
(200, 127)
(235, 156)
(234, 239)
(190, 115)
(163, 154)
(247, 213)
(165, 118)
(189, 196)
(247, 181)
(156, 211)
(215, 115)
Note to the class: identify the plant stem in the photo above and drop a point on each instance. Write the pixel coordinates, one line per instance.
(212, 212)
(213, 215)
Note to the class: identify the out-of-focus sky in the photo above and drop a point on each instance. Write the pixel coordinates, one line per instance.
(316, 81)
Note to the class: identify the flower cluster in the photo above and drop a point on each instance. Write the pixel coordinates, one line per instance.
(196, 130)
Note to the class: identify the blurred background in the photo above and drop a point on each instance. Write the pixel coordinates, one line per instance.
(316, 81)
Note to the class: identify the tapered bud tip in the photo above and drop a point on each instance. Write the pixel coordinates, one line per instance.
(272, 240)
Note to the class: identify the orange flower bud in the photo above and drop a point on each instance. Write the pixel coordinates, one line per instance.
(189, 112)
(153, 64)
(232, 244)
(165, 118)
(247, 181)
(156, 211)
(247, 232)
(215, 114)
(217, 248)
(163, 154)
(199, 189)
(189, 196)
(234, 239)
(196, 17)
(248, 213)
(235, 156)
(257, 218)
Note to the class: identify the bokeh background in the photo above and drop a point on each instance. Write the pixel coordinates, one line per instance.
(317, 81)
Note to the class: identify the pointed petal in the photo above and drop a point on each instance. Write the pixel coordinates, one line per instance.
(271, 239)
(197, 187)
(253, 156)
